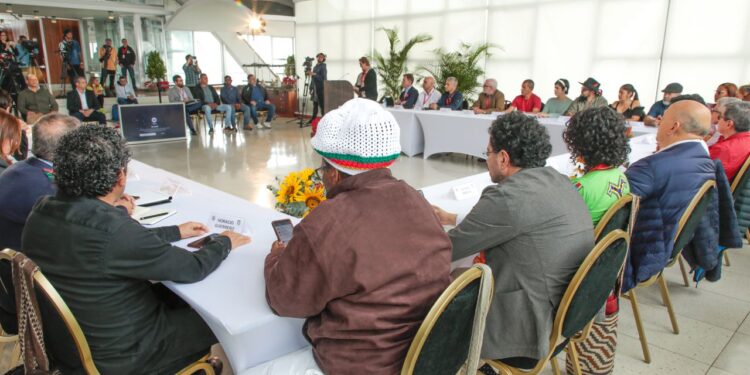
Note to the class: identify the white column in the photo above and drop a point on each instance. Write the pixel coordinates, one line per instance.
(139, 56)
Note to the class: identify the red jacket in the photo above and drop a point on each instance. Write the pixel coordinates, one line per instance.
(732, 152)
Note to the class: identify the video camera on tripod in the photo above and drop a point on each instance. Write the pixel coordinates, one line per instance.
(308, 64)
(31, 46)
(64, 49)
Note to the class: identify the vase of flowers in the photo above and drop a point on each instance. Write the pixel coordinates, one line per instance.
(298, 193)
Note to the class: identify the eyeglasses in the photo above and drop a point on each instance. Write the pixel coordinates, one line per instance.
(720, 115)
(488, 153)
(318, 173)
(486, 86)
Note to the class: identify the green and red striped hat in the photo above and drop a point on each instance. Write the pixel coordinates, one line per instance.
(357, 137)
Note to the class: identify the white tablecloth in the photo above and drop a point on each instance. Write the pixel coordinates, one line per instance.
(434, 132)
(232, 298)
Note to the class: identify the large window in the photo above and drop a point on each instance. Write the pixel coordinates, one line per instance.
(213, 57)
(273, 50)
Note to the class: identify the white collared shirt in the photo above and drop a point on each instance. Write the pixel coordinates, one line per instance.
(703, 144)
(84, 103)
(425, 98)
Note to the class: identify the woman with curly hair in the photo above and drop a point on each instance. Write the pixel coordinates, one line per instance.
(596, 138)
(10, 139)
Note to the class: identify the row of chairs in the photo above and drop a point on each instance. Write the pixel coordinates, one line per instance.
(199, 117)
(450, 337)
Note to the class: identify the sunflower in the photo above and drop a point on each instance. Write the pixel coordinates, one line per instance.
(288, 188)
(312, 197)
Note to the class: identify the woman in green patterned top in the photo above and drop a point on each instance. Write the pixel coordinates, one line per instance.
(596, 138)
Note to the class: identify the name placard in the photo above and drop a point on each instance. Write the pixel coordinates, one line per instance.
(218, 222)
(464, 191)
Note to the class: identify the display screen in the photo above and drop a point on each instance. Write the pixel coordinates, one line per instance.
(152, 122)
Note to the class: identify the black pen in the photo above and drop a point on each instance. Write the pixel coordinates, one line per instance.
(154, 215)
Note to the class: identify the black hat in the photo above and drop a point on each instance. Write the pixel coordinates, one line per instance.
(592, 84)
(673, 88)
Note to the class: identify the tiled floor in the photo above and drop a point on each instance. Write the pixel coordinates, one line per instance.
(713, 318)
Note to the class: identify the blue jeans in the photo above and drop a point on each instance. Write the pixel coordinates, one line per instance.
(226, 109)
(246, 114)
(126, 101)
(260, 106)
(128, 69)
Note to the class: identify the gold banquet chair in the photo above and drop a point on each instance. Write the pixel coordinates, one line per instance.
(617, 217)
(53, 298)
(583, 299)
(450, 337)
(686, 227)
(740, 186)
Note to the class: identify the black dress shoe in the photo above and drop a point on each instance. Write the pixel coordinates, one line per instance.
(210, 131)
(192, 132)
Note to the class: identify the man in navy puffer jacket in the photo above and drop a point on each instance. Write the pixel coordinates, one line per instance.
(666, 182)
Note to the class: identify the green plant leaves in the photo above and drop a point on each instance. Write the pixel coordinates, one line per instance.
(390, 68)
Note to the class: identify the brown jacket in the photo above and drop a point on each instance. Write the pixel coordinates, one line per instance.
(364, 268)
(496, 102)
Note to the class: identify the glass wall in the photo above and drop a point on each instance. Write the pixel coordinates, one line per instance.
(273, 50)
(546, 40)
(180, 44)
(213, 58)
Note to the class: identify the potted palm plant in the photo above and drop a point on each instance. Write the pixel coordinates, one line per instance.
(393, 65)
(156, 71)
(462, 64)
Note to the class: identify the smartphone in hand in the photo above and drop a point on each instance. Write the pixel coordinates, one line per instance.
(283, 229)
(199, 243)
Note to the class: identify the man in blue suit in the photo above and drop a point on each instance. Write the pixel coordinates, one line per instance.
(27, 181)
(666, 182)
(409, 95)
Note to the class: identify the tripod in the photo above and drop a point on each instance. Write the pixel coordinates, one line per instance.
(305, 94)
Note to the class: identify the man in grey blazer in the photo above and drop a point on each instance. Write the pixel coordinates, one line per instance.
(179, 93)
(535, 230)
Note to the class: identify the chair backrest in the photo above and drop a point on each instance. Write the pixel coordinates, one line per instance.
(8, 318)
(616, 217)
(452, 332)
(692, 217)
(589, 288)
(741, 178)
(64, 340)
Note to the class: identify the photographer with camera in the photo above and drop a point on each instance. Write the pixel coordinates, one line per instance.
(70, 51)
(192, 72)
(126, 58)
(25, 51)
(319, 74)
(108, 59)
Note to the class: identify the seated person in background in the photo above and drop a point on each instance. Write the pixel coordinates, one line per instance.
(596, 138)
(726, 90)
(98, 90)
(430, 95)
(535, 231)
(363, 282)
(179, 93)
(713, 135)
(231, 96)
(744, 93)
(527, 101)
(125, 93)
(733, 148)
(657, 110)
(210, 101)
(666, 182)
(451, 98)
(256, 96)
(11, 132)
(490, 100)
(591, 97)
(628, 104)
(102, 261)
(561, 102)
(83, 105)
(409, 95)
(34, 101)
(27, 181)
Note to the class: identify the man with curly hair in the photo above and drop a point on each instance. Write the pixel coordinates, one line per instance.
(102, 262)
(535, 231)
(596, 139)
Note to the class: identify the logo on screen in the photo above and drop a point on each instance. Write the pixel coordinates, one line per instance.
(153, 120)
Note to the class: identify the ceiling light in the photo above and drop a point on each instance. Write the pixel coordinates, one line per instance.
(54, 19)
(8, 9)
(111, 15)
(36, 14)
(257, 24)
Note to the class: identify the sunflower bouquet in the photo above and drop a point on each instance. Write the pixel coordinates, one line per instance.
(298, 193)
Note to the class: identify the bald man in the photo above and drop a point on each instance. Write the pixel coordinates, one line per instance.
(429, 96)
(34, 102)
(666, 182)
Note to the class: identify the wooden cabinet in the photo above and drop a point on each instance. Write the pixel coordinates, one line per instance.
(285, 100)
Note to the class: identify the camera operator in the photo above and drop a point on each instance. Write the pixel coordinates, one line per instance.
(108, 59)
(319, 74)
(25, 51)
(70, 51)
(192, 72)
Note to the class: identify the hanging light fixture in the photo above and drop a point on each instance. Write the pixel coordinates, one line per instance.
(54, 19)
(8, 9)
(111, 15)
(257, 24)
(36, 14)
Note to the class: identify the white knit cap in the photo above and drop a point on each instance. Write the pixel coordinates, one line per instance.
(358, 136)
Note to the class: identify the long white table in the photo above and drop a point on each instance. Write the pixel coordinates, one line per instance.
(434, 132)
(231, 299)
